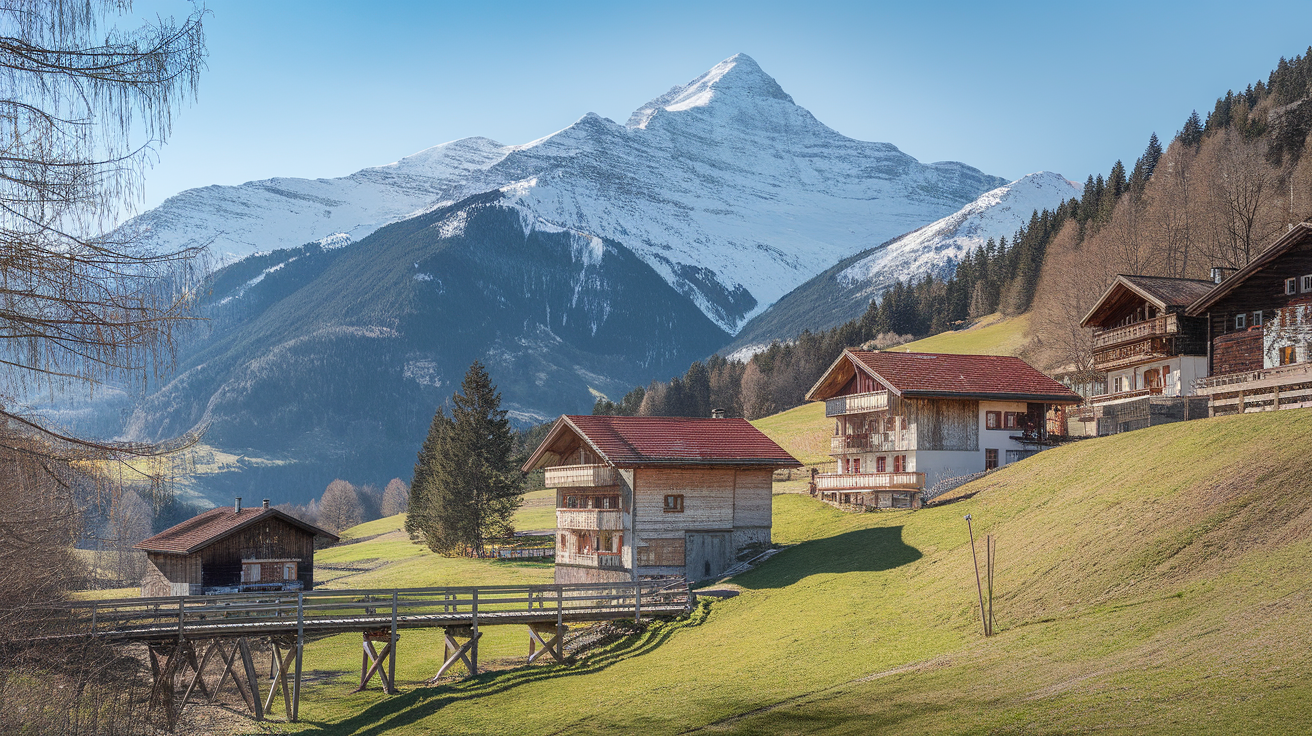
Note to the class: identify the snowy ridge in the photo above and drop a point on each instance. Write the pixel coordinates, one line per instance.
(729, 190)
(933, 248)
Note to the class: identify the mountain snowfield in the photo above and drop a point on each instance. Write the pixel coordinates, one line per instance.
(728, 189)
(843, 291)
(939, 245)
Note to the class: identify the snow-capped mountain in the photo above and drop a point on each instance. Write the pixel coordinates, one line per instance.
(843, 291)
(728, 189)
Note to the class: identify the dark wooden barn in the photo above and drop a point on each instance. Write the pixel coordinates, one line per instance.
(231, 549)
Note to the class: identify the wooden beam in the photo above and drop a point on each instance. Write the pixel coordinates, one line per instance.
(372, 664)
(251, 681)
(460, 653)
(198, 679)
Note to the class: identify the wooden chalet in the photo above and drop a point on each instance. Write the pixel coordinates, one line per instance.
(1259, 329)
(230, 549)
(1150, 350)
(904, 422)
(648, 496)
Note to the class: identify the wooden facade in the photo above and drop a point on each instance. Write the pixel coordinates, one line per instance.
(231, 550)
(662, 512)
(1260, 330)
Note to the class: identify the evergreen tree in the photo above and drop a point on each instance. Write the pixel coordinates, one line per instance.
(1147, 163)
(1192, 133)
(466, 486)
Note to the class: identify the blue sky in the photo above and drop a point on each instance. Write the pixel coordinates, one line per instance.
(322, 89)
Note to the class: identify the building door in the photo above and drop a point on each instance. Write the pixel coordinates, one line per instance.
(707, 554)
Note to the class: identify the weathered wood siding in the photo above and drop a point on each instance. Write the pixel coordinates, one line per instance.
(944, 424)
(708, 499)
(164, 570)
(1263, 291)
(661, 552)
(1237, 352)
(264, 540)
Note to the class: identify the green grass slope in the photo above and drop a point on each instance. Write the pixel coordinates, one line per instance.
(992, 335)
(1151, 582)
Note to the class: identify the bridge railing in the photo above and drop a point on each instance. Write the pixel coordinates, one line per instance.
(354, 609)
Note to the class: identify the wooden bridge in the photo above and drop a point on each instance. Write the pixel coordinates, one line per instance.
(175, 628)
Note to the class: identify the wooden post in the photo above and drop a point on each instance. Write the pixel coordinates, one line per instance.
(391, 660)
(978, 586)
(300, 647)
(180, 614)
(473, 650)
(251, 680)
(93, 620)
(637, 601)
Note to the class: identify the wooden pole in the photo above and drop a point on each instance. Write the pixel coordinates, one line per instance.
(391, 659)
(978, 586)
(473, 652)
(300, 646)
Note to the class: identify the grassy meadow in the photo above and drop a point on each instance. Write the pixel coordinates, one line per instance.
(1152, 582)
(991, 335)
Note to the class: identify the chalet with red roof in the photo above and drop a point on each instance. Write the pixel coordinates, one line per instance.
(904, 422)
(648, 496)
(231, 549)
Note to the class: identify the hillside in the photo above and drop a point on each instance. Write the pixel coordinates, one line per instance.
(992, 335)
(1151, 582)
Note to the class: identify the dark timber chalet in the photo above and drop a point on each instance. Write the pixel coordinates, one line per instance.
(1259, 324)
(649, 496)
(1151, 351)
(231, 549)
(907, 421)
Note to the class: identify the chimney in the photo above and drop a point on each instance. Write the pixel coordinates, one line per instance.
(1220, 273)
(237, 506)
(717, 413)
(266, 503)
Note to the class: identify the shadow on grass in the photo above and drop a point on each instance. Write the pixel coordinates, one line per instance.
(416, 705)
(864, 550)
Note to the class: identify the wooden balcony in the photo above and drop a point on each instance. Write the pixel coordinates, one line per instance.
(903, 439)
(1108, 398)
(856, 403)
(869, 481)
(1166, 324)
(610, 560)
(590, 519)
(581, 476)
(1148, 349)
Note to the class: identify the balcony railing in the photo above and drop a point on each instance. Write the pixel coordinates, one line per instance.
(1295, 373)
(1166, 324)
(869, 481)
(856, 403)
(590, 519)
(903, 439)
(581, 476)
(607, 560)
(1105, 398)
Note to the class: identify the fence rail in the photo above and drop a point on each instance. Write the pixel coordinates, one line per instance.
(1166, 324)
(356, 610)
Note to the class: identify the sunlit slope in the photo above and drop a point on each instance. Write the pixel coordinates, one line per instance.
(1151, 582)
(803, 431)
(992, 335)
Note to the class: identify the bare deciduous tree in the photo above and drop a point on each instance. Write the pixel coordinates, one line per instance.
(339, 508)
(396, 497)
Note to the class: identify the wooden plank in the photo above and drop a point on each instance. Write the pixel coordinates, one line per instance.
(252, 683)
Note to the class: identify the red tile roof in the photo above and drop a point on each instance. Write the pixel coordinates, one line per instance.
(634, 441)
(974, 376)
(201, 530)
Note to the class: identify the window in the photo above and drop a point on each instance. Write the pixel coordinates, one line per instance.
(1288, 355)
(1011, 420)
(571, 502)
(881, 464)
(856, 465)
(289, 571)
(1257, 319)
(250, 572)
(847, 465)
(1240, 321)
(993, 419)
(1118, 384)
(899, 463)
(674, 503)
(1307, 283)
(990, 459)
(1291, 286)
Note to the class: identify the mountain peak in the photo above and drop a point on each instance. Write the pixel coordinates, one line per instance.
(737, 77)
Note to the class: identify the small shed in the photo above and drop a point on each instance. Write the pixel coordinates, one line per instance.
(231, 549)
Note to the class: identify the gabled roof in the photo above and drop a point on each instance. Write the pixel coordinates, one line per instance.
(638, 441)
(1161, 291)
(1297, 235)
(939, 375)
(204, 529)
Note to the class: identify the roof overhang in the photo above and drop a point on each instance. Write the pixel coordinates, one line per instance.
(1073, 398)
(544, 455)
(1106, 303)
(275, 513)
(839, 373)
(1296, 235)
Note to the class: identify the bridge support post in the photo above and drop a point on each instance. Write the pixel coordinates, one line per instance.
(300, 649)
(457, 652)
(553, 646)
(371, 662)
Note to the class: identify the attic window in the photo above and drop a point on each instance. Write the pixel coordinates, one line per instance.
(1307, 283)
(1257, 319)
(1291, 286)
(1241, 321)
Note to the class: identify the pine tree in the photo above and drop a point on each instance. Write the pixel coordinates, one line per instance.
(1192, 133)
(466, 487)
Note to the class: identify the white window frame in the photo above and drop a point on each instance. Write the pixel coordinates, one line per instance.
(1241, 321)
(1291, 287)
(1307, 283)
(1257, 318)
